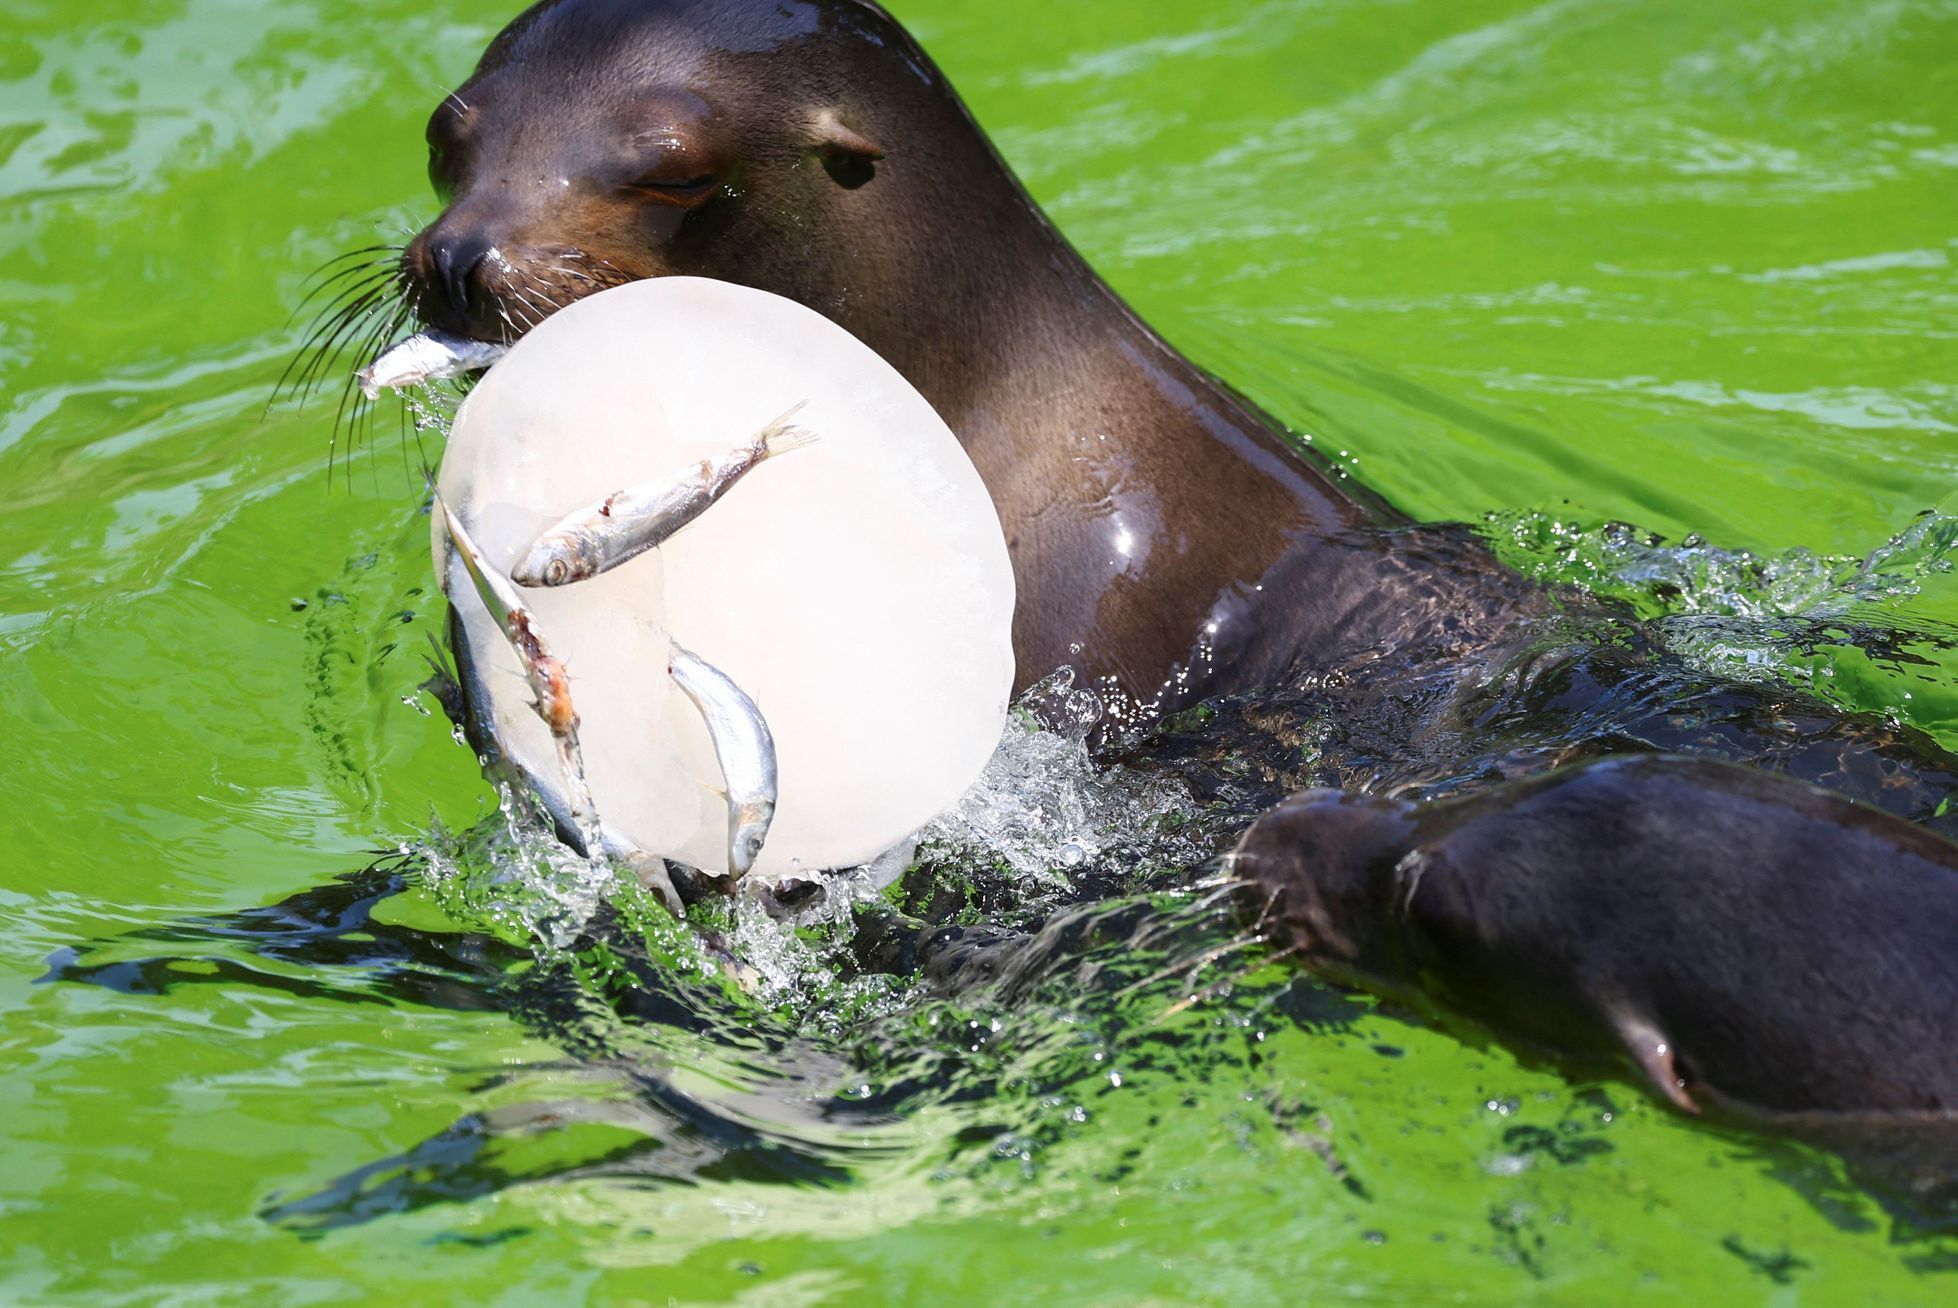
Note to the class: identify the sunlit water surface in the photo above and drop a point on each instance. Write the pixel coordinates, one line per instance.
(291, 1010)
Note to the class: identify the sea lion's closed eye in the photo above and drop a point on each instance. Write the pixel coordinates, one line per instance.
(674, 166)
(682, 190)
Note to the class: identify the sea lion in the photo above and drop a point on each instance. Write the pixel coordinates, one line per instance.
(1168, 540)
(1749, 944)
(1171, 543)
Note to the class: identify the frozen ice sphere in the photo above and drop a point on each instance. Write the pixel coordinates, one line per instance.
(859, 589)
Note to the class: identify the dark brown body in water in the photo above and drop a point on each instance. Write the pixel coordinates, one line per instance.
(1763, 949)
(1791, 951)
(1167, 539)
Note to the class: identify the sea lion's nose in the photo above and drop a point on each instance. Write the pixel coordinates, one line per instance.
(456, 257)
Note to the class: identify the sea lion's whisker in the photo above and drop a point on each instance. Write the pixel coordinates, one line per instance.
(1189, 1001)
(327, 340)
(351, 265)
(318, 281)
(370, 289)
(413, 299)
(1221, 871)
(1187, 966)
(510, 329)
(374, 282)
(570, 264)
(353, 325)
(385, 252)
(353, 404)
(536, 313)
(1264, 914)
(341, 283)
(539, 295)
(1217, 894)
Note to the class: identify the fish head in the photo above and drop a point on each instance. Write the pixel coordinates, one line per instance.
(558, 559)
(747, 830)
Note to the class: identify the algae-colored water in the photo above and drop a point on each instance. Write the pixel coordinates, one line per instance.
(1683, 265)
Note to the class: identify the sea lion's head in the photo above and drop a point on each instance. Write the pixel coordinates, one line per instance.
(1319, 873)
(602, 141)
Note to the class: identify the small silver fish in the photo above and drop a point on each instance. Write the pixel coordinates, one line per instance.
(627, 523)
(427, 356)
(549, 681)
(743, 746)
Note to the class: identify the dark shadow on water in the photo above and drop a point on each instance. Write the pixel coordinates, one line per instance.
(327, 935)
(806, 1096)
(781, 1106)
(563, 1141)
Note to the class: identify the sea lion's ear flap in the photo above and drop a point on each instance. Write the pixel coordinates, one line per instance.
(848, 156)
(1657, 1057)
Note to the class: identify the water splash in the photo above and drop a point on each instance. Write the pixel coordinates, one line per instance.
(1871, 634)
(1692, 577)
(511, 872)
(1043, 807)
(1042, 812)
(431, 407)
(1043, 824)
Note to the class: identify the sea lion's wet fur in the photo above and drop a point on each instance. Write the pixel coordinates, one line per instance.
(1170, 544)
(1167, 540)
(1748, 944)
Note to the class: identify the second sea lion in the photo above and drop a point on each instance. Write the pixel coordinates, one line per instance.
(1171, 543)
(1750, 945)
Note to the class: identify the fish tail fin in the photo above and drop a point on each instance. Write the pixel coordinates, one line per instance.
(782, 435)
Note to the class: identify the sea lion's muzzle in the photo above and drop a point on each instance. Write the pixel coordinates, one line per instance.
(484, 280)
(453, 259)
(442, 271)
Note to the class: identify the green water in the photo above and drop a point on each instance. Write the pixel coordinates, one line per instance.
(1684, 265)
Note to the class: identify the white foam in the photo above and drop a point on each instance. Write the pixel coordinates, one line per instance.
(1043, 806)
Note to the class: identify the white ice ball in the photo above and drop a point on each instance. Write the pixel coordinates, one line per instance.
(858, 589)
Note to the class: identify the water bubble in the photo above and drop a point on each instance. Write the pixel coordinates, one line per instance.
(1042, 806)
(514, 871)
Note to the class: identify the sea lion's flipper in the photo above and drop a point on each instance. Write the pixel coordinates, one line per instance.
(1656, 1056)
